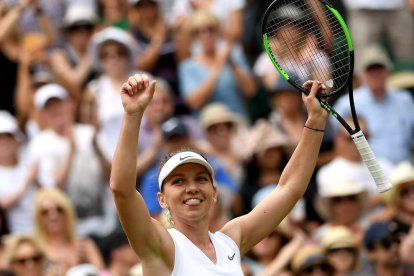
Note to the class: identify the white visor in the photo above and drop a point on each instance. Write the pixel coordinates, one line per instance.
(182, 158)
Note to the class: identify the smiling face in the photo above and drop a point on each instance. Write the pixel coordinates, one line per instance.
(188, 192)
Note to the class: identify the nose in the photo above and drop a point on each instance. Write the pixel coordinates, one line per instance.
(192, 187)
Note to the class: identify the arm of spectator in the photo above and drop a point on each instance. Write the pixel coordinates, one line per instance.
(285, 255)
(88, 109)
(61, 175)
(182, 38)
(200, 95)
(24, 91)
(147, 59)
(73, 76)
(12, 199)
(103, 161)
(89, 253)
(8, 22)
(45, 24)
(410, 5)
(233, 30)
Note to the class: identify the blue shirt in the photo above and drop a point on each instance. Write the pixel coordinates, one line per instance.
(192, 74)
(149, 185)
(390, 122)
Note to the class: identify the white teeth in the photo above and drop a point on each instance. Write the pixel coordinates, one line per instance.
(193, 200)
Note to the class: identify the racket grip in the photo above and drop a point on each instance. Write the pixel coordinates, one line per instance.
(371, 162)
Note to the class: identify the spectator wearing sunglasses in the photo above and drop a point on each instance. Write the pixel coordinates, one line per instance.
(342, 203)
(382, 250)
(23, 256)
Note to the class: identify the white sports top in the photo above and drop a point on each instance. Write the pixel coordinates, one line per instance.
(190, 260)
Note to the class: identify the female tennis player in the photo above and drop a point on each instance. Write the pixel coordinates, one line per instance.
(188, 192)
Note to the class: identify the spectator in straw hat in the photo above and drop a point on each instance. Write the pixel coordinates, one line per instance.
(266, 148)
(341, 250)
(341, 203)
(401, 197)
(311, 260)
(223, 130)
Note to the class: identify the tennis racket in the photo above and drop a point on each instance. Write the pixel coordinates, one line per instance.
(308, 39)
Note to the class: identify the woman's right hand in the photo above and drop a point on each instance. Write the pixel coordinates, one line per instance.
(136, 93)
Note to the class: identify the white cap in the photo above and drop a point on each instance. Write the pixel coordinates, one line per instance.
(8, 124)
(47, 92)
(180, 159)
(83, 270)
(80, 14)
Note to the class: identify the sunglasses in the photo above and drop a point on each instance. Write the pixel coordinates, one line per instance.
(315, 268)
(30, 259)
(406, 191)
(205, 30)
(47, 211)
(339, 199)
(77, 28)
(113, 54)
(388, 242)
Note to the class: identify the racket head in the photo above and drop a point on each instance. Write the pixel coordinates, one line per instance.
(309, 42)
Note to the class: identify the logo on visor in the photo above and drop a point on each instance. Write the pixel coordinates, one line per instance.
(185, 157)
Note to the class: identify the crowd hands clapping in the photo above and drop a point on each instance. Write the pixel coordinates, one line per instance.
(62, 68)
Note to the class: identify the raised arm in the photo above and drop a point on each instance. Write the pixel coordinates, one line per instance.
(263, 219)
(146, 235)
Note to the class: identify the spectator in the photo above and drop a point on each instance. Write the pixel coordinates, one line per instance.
(224, 130)
(342, 203)
(382, 249)
(372, 21)
(228, 12)
(375, 102)
(55, 221)
(24, 256)
(311, 260)
(71, 157)
(72, 62)
(114, 52)
(17, 178)
(119, 257)
(159, 50)
(220, 73)
(266, 149)
(13, 43)
(342, 251)
(348, 164)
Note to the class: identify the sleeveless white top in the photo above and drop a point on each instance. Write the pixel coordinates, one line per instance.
(190, 260)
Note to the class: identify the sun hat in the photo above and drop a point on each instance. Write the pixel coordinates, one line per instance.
(83, 270)
(308, 256)
(113, 34)
(180, 159)
(401, 80)
(402, 173)
(216, 113)
(47, 92)
(338, 188)
(267, 136)
(372, 55)
(78, 14)
(338, 237)
(8, 124)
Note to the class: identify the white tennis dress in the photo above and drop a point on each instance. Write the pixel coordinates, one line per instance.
(190, 260)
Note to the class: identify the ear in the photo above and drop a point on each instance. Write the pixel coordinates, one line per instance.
(162, 200)
(215, 194)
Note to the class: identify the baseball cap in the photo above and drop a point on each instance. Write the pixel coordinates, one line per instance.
(174, 127)
(377, 232)
(372, 55)
(8, 124)
(80, 14)
(47, 92)
(179, 159)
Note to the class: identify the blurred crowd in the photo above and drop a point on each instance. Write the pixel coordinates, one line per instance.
(62, 64)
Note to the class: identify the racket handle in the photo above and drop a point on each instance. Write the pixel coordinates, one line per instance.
(371, 162)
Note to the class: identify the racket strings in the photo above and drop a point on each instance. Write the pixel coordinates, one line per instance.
(302, 45)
